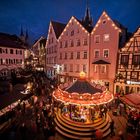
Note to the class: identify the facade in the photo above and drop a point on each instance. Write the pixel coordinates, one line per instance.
(82, 47)
(73, 48)
(128, 73)
(55, 29)
(105, 43)
(11, 53)
(38, 55)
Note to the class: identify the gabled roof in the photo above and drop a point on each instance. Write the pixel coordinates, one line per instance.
(39, 40)
(58, 28)
(132, 44)
(11, 41)
(100, 62)
(115, 25)
(119, 25)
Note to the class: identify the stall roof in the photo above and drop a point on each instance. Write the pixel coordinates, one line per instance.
(132, 100)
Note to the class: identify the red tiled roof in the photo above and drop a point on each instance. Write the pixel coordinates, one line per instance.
(11, 41)
(58, 28)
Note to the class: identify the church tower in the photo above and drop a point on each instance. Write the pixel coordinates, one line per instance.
(22, 37)
(87, 20)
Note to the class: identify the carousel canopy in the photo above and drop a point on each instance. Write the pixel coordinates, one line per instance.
(82, 86)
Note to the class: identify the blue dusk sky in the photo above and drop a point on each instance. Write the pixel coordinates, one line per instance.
(35, 15)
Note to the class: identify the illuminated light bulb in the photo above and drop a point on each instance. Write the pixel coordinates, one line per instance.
(81, 97)
(113, 24)
(108, 18)
(103, 13)
(116, 28)
(97, 25)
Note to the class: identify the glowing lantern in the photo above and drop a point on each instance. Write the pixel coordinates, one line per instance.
(82, 75)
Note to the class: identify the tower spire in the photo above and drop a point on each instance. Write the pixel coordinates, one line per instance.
(87, 20)
(21, 31)
(87, 13)
(26, 36)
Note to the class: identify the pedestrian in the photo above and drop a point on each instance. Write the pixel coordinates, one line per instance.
(112, 128)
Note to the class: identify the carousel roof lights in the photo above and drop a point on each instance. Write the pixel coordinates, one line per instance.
(82, 92)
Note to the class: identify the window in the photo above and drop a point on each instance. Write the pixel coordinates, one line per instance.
(72, 32)
(61, 44)
(20, 61)
(84, 68)
(11, 51)
(52, 40)
(6, 61)
(0, 50)
(6, 51)
(106, 53)
(71, 55)
(85, 55)
(85, 42)
(124, 60)
(55, 49)
(78, 42)
(65, 68)
(78, 55)
(66, 44)
(134, 75)
(71, 43)
(95, 68)
(97, 39)
(71, 67)
(1, 61)
(136, 60)
(106, 37)
(77, 30)
(14, 61)
(16, 51)
(103, 69)
(77, 68)
(47, 60)
(96, 53)
(60, 56)
(20, 51)
(49, 41)
(104, 21)
(65, 55)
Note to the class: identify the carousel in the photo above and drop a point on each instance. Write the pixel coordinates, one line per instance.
(81, 109)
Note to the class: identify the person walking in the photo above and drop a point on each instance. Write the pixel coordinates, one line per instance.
(112, 128)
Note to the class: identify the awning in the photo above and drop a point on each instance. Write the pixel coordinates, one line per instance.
(132, 100)
(100, 62)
